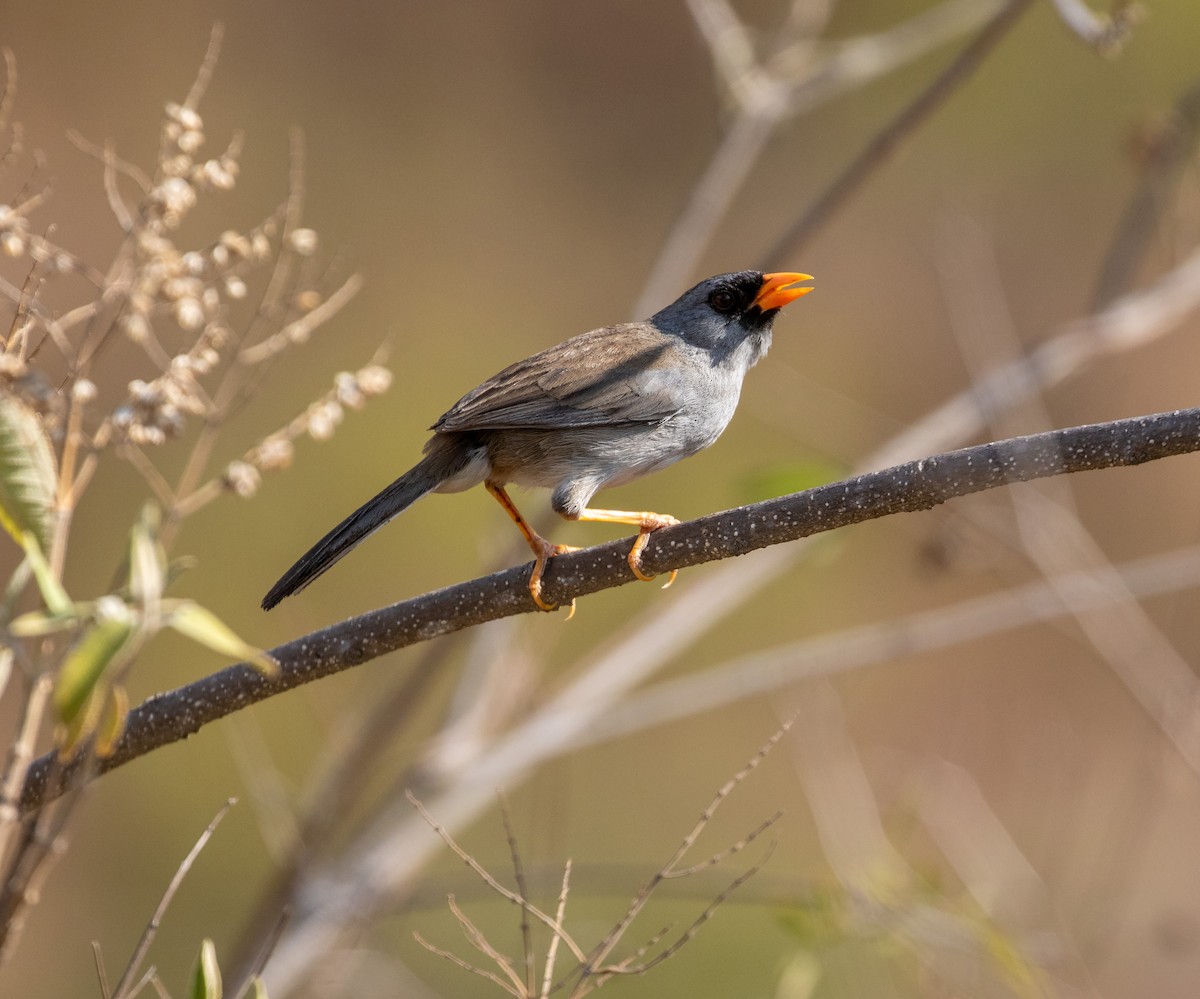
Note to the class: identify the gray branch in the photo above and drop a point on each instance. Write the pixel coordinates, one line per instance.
(915, 485)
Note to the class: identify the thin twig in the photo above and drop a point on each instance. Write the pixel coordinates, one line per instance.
(9, 94)
(522, 890)
(729, 851)
(465, 965)
(1105, 34)
(30, 866)
(1173, 150)
(207, 66)
(151, 930)
(486, 876)
(559, 915)
(150, 978)
(19, 754)
(101, 976)
(605, 947)
(697, 923)
(481, 943)
(299, 330)
(349, 751)
(849, 65)
(885, 142)
(293, 209)
(115, 202)
(106, 155)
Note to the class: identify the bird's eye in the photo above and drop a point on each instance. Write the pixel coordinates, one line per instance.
(723, 300)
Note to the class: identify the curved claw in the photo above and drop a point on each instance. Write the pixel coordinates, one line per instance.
(535, 577)
(635, 553)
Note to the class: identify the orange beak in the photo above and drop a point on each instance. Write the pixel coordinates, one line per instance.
(775, 293)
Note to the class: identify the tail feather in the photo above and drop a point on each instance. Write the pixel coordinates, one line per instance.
(367, 519)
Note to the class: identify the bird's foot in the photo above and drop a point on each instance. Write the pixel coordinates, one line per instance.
(546, 550)
(650, 523)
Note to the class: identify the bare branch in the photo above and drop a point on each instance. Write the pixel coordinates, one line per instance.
(552, 948)
(913, 486)
(465, 965)
(105, 155)
(841, 651)
(782, 93)
(888, 139)
(207, 66)
(101, 975)
(481, 943)
(668, 870)
(123, 989)
(1173, 147)
(522, 890)
(1105, 34)
(694, 928)
(9, 95)
(729, 851)
(486, 876)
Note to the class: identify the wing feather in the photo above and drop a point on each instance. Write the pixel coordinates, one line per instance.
(610, 376)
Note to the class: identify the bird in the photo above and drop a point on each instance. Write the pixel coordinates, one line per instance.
(600, 409)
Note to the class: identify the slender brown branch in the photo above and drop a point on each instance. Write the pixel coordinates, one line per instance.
(1105, 33)
(124, 986)
(888, 139)
(476, 938)
(488, 879)
(1166, 158)
(204, 76)
(552, 948)
(465, 965)
(101, 974)
(522, 890)
(913, 486)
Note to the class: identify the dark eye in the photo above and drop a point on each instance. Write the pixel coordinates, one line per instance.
(723, 300)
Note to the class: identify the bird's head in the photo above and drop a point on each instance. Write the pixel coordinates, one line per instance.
(723, 312)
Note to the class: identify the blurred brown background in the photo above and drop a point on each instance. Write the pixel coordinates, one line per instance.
(504, 175)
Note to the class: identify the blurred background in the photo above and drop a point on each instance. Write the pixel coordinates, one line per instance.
(1001, 805)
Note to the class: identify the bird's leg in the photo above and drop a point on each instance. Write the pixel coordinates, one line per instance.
(542, 549)
(646, 523)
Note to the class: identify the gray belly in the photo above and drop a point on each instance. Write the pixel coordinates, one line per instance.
(602, 456)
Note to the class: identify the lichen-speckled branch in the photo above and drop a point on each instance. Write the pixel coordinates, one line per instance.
(915, 485)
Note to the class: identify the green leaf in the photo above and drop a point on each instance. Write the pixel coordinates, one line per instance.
(53, 594)
(111, 724)
(206, 979)
(203, 626)
(147, 562)
(80, 726)
(86, 662)
(35, 624)
(28, 472)
(17, 583)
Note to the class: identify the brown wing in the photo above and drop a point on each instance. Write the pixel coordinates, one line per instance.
(613, 375)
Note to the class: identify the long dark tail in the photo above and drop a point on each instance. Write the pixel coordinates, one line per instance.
(430, 472)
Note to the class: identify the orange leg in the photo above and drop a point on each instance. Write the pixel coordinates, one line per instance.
(542, 549)
(646, 524)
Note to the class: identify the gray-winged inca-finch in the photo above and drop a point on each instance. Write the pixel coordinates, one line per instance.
(600, 409)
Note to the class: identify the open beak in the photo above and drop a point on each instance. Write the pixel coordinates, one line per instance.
(775, 293)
